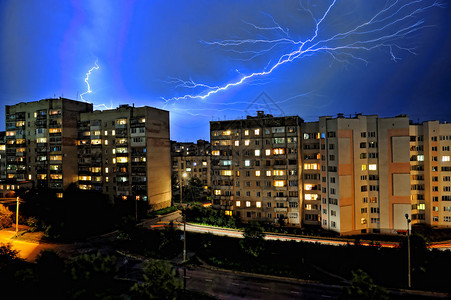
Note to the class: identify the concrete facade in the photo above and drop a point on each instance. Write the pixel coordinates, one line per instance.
(125, 153)
(255, 168)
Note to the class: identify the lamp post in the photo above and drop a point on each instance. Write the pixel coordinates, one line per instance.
(181, 187)
(17, 216)
(408, 251)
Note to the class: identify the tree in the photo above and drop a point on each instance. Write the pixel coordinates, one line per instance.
(193, 191)
(160, 281)
(363, 287)
(254, 239)
(6, 217)
(92, 275)
(7, 255)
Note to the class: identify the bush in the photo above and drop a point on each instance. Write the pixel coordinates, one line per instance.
(6, 217)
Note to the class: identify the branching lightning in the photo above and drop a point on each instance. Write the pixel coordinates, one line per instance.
(88, 91)
(385, 29)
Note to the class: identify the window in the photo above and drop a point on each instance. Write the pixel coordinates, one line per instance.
(246, 142)
(248, 203)
(268, 152)
(238, 203)
(257, 152)
(257, 173)
(257, 131)
(279, 183)
(445, 158)
(226, 172)
(363, 167)
(372, 167)
(247, 163)
(215, 152)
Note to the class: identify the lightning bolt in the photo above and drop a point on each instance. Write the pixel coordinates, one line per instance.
(89, 91)
(396, 21)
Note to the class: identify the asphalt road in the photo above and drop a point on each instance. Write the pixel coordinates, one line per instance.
(229, 285)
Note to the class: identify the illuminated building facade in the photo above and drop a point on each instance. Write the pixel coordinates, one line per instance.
(40, 142)
(2, 155)
(125, 153)
(255, 168)
(430, 144)
(193, 160)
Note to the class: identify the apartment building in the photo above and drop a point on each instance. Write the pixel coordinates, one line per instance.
(41, 141)
(191, 160)
(365, 174)
(255, 168)
(2, 155)
(125, 153)
(430, 144)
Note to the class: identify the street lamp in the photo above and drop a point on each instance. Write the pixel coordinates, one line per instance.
(181, 187)
(17, 216)
(408, 250)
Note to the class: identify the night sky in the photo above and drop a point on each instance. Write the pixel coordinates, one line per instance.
(371, 57)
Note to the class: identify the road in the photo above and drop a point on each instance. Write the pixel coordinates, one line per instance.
(28, 250)
(228, 285)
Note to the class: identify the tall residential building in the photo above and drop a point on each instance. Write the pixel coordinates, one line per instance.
(2, 155)
(255, 168)
(365, 174)
(193, 160)
(430, 144)
(41, 141)
(125, 153)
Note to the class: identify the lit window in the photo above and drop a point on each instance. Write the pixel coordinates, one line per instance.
(363, 221)
(114, 160)
(257, 173)
(114, 151)
(237, 143)
(246, 142)
(268, 173)
(258, 204)
(121, 121)
(308, 187)
(215, 152)
(56, 176)
(106, 142)
(122, 159)
(308, 207)
(247, 163)
(310, 166)
(363, 167)
(107, 178)
(41, 140)
(106, 132)
(268, 152)
(248, 203)
(278, 151)
(257, 131)
(246, 132)
(55, 130)
(204, 163)
(279, 183)
(84, 178)
(420, 158)
(217, 192)
(372, 167)
(113, 132)
(106, 170)
(228, 212)
(238, 203)
(188, 169)
(226, 172)
(56, 157)
(445, 158)
(96, 142)
(227, 132)
(278, 172)
(59, 195)
(257, 152)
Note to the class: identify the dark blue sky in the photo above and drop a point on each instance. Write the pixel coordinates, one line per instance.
(398, 63)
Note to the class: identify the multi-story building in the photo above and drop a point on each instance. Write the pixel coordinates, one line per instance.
(430, 144)
(365, 174)
(349, 175)
(255, 168)
(193, 160)
(125, 153)
(2, 155)
(40, 141)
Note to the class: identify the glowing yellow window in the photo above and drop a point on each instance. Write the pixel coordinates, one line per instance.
(257, 152)
(257, 173)
(363, 167)
(55, 130)
(215, 152)
(372, 167)
(56, 157)
(279, 183)
(237, 143)
(246, 142)
(238, 203)
(226, 172)
(246, 132)
(228, 212)
(268, 173)
(258, 204)
(268, 152)
(122, 159)
(257, 131)
(308, 187)
(248, 203)
(217, 192)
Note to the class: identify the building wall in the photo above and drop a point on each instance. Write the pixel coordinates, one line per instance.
(125, 153)
(41, 140)
(255, 168)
